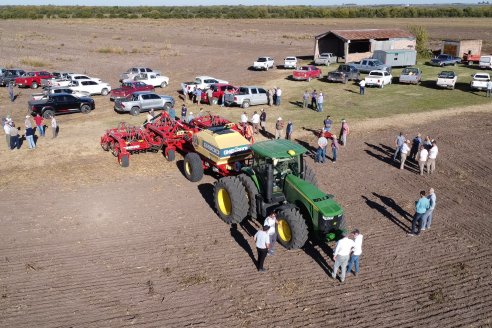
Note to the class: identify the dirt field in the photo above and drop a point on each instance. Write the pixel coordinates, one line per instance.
(88, 244)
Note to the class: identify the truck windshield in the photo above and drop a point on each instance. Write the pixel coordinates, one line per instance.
(410, 71)
(261, 59)
(446, 75)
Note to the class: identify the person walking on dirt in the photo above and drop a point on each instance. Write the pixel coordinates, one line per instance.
(172, 113)
(6, 129)
(305, 99)
(198, 94)
(54, 127)
(427, 219)
(399, 141)
(327, 123)
(341, 256)
(344, 132)
(421, 206)
(184, 110)
(244, 120)
(321, 151)
(278, 94)
(489, 88)
(416, 142)
(356, 253)
(334, 148)
(423, 156)
(14, 138)
(279, 127)
(362, 87)
(38, 119)
(431, 161)
(271, 92)
(30, 137)
(209, 96)
(11, 92)
(288, 130)
(271, 221)
(263, 117)
(255, 120)
(405, 149)
(314, 100)
(262, 245)
(319, 103)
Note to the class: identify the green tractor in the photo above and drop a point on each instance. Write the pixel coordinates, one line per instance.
(280, 180)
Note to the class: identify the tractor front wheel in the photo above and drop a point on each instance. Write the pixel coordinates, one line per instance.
(193, 167)
(251, 192)
(292, 231)
(231, 200)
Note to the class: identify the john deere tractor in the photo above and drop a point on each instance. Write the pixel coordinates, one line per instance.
(280, 180)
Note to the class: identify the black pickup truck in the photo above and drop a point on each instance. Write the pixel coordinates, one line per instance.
(60, 103)
(343, 74)
(10, 75)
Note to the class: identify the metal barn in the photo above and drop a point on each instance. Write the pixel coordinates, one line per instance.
(458, 48)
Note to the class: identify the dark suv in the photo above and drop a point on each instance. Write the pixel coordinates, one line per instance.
(343, 74)
(10, 75)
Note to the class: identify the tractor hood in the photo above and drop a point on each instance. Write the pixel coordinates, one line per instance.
(324, 203)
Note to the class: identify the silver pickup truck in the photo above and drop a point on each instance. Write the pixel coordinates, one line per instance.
(247, 96)
(142, 101)
(410, 75)
(371, 64)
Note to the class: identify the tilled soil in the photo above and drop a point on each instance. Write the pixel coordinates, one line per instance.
(145, 248)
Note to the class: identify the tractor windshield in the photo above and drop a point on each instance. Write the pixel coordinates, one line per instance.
(281, 168)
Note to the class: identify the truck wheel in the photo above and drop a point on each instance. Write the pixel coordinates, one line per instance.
(251, 192)
(34, 85)
(85, 109)
(310, 176)
(48, 113)
(167, 106)
(215, 101)
(245, 104)
(231, 200)
(292, 229)
(193, 167)
(104, 92)
(124, 160)
(170, 154)
(163, 84)
(134, 111)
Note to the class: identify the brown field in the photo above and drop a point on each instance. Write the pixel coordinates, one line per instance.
(86, 243)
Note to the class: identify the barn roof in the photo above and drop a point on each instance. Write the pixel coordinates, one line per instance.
(367, 34)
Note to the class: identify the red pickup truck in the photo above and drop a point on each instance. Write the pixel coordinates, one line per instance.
(32, 79)
(218, 89)
(127, 88)
(306, 73)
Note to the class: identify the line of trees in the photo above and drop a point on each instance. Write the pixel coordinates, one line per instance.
(238, 12)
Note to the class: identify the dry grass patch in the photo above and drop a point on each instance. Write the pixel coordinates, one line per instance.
(33, 62)
(112, 50)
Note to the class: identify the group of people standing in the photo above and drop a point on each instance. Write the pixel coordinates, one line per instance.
(424, 209)
(317, 100)
(274, 96)
(13, 136)
(335, 143)
(424, 152)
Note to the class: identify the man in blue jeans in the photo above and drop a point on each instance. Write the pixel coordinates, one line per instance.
(427, 219)
(421, 206)
(356, 253)
(400, 140)
(321, 152)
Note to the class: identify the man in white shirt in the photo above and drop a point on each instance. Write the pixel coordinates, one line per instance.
(423, 155)
(244, 120)
(341, 257)
(321, 151)
(6, 129)
(262, 246)
(431, 161)
(320, 101)
(354, 257)
(271, 221)
(362, 87)
(255, 120)
(54, 127)
(489, 88)
(405, 149)
(278, 95)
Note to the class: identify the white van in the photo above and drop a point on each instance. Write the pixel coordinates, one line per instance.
(485, 62)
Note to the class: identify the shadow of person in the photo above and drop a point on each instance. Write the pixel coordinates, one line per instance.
(311, 150)
(391, 203)
(241, 241)
(381, 209)
(310, 249)
(267, 134)
(382, 158)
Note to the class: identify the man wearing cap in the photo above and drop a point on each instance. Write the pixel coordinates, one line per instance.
(262, 245)
(255, 120)
(334, 148)
(189, 117)
(341, 257)
(279, 127)
(14, 137)
(244, 120)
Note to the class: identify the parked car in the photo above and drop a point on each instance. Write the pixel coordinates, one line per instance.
(290, 62)
(247, 96)
(485, 62)
(142, 101)
(76, 77)
(127, 88)
(134, 71)
(343, 74)
(91, 86)
(446, 79)
(60, 103)
(152, 79)
(371, 64)
(325, 58)
(10, 75)
(264, 63)
(306, 73)
(410, 75)
(445, 60)
(479, 81)
(378, 78)
(32, 79)
(201, 82)
(59, 79)
(218, 89)
(54, 90)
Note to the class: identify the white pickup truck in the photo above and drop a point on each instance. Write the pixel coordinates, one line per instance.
(446, 79)
(325, 58)
(134, 71)
(154, 79)
(264, 63)
(201, 82)
(479, 81)
(91, 86)
(290, 62)
(378, 78)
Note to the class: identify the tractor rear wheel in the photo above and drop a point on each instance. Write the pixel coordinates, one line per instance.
(193, 167)
(310, 176)
(292, 229)
(251, 192)
(231, 200)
